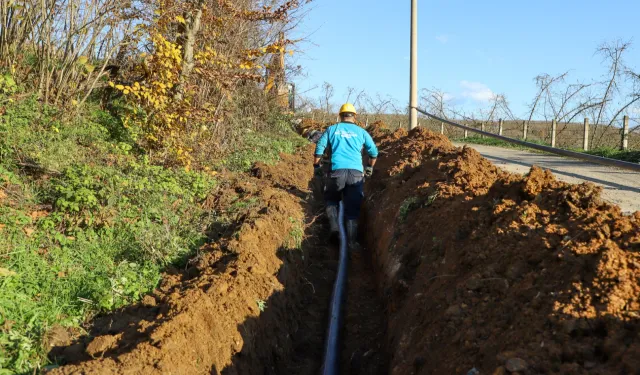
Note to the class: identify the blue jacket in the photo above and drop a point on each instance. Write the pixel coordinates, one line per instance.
(346, 141)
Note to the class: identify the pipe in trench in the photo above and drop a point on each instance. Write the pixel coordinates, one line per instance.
(331, 364)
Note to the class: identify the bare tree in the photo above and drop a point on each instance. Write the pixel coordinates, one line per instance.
(612, 54)
(435, 101)
(325, 99)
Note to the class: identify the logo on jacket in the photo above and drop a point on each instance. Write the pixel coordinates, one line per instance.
(346, 134)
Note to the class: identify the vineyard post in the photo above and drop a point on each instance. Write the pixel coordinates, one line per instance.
(625, 134)
(500, 126)
(466, 133)
(442, 128)
(585, 138)
(482, 128)
(525, 130)
(413, 97)
(554, 128)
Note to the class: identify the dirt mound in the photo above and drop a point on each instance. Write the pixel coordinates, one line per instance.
(488, 270)
(308, 125)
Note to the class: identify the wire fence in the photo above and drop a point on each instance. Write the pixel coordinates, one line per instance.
(546, 148)
(569, 136)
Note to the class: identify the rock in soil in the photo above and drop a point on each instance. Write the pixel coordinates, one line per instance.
(515, 364)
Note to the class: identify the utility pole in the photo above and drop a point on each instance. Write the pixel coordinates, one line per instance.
(413, 101)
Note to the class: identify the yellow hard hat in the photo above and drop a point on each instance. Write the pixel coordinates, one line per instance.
(348, 108)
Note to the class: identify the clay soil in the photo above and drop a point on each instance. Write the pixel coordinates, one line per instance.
(488, 272)
(255, 301)
(466, 269)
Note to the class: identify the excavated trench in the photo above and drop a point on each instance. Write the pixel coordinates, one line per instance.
(255, 302)
(465, 267)
(363, 337)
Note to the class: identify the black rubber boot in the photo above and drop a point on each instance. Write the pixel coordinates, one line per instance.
(332, 215)
(352, 235)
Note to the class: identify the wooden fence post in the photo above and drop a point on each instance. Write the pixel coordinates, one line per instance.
(482, 128)
(585, 144)
(625, 134)
(442, 128)
(554, 128)
(525, 130)
(500, 126)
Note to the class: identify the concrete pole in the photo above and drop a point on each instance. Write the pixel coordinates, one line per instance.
(482, 128)
(525, 130)
(554, 131)
(500, 126)
(625, 133)
(585, 144)
(413, 100)
(442, 128)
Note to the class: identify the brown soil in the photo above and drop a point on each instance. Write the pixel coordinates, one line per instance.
(207, 319)
(487, 270)
(365, 325)
(468, 267)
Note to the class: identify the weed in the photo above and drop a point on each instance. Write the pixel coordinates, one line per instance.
(407, 206)
(296, 235)
(413, 203)
(431, 199)
(262, 305)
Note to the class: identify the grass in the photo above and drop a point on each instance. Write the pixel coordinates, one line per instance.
(612, 153)
(88, 224)
(265, 147)
(296, 235)
(495, 142)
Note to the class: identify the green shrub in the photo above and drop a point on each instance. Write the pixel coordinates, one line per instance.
(93, 230)
(262, 147)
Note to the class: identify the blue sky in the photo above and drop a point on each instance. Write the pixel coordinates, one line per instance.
(469, 49)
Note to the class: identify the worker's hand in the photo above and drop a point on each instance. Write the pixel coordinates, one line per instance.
(317, 170)
(368, 172)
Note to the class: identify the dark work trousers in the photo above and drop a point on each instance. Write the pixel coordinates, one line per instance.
(345, 185)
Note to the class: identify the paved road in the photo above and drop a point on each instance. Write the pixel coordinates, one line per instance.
(621, 187)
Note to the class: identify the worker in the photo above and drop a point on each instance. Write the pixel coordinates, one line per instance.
(314, 136)
(345, 141)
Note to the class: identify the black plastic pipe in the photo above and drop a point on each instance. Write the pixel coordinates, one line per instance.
(331, 365)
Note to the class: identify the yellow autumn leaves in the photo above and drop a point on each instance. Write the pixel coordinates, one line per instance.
(154, 93)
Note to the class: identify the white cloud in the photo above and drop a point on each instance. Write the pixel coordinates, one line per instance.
(476, 91)
(442, 38)
(448, 97)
